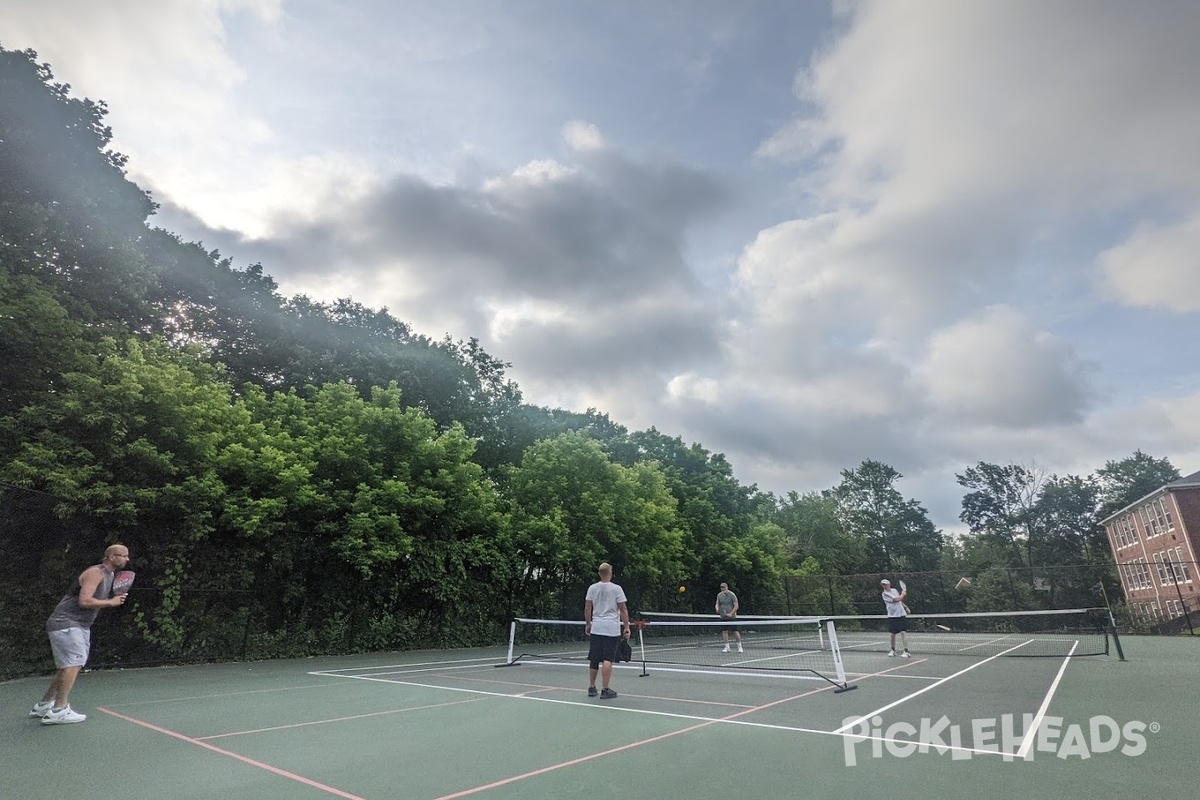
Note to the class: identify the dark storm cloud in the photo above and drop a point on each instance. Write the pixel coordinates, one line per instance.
(604, 230)
(567, 270)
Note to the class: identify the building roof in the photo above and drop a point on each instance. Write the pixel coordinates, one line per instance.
(1186, 482)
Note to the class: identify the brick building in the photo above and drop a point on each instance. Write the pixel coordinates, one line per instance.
(1156, 544)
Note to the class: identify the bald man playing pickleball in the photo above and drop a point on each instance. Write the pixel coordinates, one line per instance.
(70, 630)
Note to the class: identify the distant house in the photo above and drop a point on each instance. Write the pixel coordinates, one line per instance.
(1156, 543)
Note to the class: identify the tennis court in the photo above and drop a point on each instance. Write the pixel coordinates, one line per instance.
(452, 724)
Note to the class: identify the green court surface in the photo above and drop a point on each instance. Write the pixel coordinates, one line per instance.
(450, 724)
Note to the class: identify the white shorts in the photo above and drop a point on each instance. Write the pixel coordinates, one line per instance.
(70, 646)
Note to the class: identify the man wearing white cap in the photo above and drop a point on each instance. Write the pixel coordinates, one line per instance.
(897, 613)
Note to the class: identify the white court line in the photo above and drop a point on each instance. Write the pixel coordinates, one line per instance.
(591, 705)
(597, 708)
(402, 669)
(334, 672)
(683, 669)
(1023, 750)
(906, 698)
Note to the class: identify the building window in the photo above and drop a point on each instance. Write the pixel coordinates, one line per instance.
(1150, 612)
(1124, 532)
(1182, 573)
(1171, 567)
(1156, 520)
(1136, 575)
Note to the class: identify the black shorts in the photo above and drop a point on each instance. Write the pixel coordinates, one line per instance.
(602, 648)
(728, 628)
(897, 624)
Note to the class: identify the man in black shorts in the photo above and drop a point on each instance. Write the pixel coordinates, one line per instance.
(897, 614)
(727, 609)
(606, 621)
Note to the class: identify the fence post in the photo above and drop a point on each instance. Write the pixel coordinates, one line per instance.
(1182, 605)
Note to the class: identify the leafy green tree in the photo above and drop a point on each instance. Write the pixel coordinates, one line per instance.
(896, 533)
(39, 342)
(755, 565)
(815, 535)
(715, 511)
(998, 589)
(68, 215)
(1069, 508)
(571, 507)
(128, 443)
(1003, 506)
(383, 504)
(1130, 479)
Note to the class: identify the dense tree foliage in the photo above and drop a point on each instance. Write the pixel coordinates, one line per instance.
(1122, 482)
(897, 532)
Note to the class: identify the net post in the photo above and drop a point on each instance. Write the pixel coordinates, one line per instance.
(1112, 620)
(512, 638)
(642, 648)
(1112, 627)
(843, 685)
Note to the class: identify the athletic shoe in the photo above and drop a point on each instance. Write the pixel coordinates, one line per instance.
(41, 709)
(607, 694)
(62, 716)
(726, 650)
(592, 691)
(891, 653)
(740, 649)
(905, 654)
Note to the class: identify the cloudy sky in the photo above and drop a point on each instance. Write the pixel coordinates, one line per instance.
(801, 234)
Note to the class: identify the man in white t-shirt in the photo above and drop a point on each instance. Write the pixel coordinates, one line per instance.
(606, 622)
(897, 613)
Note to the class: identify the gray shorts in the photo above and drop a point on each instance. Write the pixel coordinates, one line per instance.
(70, 646)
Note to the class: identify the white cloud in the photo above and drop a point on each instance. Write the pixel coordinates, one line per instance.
(1156, 267)
(694, 388)
(583, 135)
(996, 368)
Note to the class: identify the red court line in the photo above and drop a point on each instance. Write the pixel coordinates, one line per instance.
(338, 719)
(624, 747)
(282, 772)
(125, 704)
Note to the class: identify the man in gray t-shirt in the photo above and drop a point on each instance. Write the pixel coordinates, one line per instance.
(70, 630)
(727, 608)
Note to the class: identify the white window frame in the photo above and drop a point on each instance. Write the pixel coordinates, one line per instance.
(1137, 575)
(1124, 532)
(1156, 519)
(1182, 566)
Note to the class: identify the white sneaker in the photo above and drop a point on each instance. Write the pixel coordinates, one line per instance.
(905, 654)
(41, 709)
(62, 716)
(891, 653)
(740, 650)
(726, 650)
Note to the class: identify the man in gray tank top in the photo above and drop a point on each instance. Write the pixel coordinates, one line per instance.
(70, 630)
